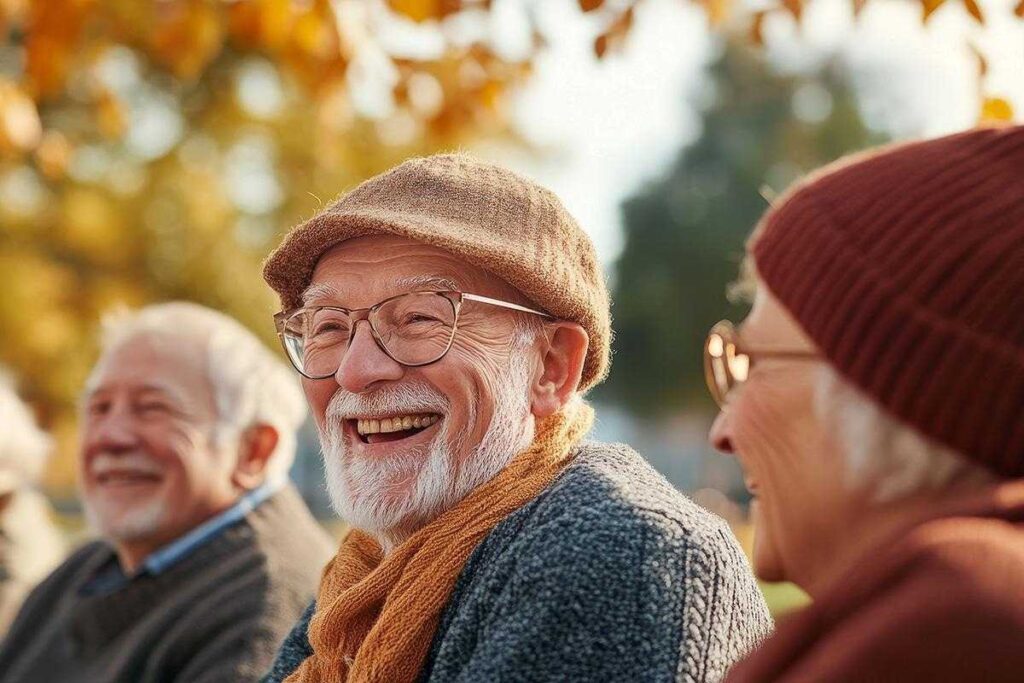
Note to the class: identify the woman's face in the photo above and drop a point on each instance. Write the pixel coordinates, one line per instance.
(789, 458)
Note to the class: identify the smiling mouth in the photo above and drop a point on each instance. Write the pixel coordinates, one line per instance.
(126, 478)
(395, 428)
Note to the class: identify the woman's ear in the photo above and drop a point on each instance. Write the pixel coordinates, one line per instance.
(255, 447)
(564, 350)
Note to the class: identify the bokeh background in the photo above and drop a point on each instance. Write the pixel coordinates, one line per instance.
(159, 150)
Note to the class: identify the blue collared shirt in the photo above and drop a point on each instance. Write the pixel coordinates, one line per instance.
(110, 577)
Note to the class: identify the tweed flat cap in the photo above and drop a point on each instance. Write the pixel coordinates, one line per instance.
(485, 214)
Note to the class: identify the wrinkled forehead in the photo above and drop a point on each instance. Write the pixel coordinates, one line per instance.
(175, 365)
(363, 270)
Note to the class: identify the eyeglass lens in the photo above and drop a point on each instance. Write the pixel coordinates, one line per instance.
(414, 329)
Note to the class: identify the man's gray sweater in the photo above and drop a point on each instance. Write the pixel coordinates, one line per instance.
(610, 574)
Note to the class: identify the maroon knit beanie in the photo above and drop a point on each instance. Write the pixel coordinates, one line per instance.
(905, 265)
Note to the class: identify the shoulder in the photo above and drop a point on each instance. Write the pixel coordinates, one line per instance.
(78, 565)
(612, 558)
(294, 650)
(941, 604)
(609, 500)
(610, 526)
(53, 593)
(291, 543)
(966, 563)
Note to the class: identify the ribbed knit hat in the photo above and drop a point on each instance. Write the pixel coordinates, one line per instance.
(906, 267)
(485, 214)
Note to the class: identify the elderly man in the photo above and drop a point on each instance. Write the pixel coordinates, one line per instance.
(207, 556)
(30, 544)
(875, 398)
(446, 317)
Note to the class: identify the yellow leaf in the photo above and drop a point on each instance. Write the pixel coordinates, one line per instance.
(757, 28)
(717, 10)
(615, 34)
(53, 154)
(928, 8)
(186, 37)
(110, 115)
(1019, 10)
(417, 10)
(994, 109)
(590, 5)
(982, 62)
(794, 7)
(974, 10)
(20, 129)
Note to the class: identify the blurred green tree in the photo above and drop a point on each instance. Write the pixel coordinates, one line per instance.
(685, 233)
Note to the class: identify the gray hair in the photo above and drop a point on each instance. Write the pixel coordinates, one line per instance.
(250, 385)
(881, 455)
(24, 447)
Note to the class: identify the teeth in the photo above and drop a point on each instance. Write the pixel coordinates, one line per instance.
(395, 424)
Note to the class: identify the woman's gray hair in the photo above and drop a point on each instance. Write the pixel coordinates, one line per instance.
(250, 385)
(882, 455)
(24, 447)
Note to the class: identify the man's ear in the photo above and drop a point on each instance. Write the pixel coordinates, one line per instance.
(255, 446)
(564, 348)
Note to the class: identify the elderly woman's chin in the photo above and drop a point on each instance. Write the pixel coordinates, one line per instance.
(765, 556)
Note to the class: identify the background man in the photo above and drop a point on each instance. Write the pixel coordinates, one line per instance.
(207, 555)
(447, 316)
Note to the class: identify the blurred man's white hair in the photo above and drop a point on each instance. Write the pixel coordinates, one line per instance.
(883, 456)
(250, 385)
(24, 447)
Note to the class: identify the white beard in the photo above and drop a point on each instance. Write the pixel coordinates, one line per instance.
(117, 521)
(120, 524)
(359, 487)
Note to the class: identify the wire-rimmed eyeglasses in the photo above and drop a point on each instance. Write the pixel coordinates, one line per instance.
(727, 363)
(414, 329)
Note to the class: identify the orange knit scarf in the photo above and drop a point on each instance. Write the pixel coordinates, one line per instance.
(376, 615)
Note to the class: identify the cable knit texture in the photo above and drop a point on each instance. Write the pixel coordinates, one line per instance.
(906, 266)
(610, 574)
(485, 214)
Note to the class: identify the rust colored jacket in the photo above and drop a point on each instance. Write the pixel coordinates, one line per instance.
(944, 602)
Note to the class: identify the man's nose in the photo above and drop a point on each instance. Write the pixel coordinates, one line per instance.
(719, 436)
(365, 363)
(114, 432)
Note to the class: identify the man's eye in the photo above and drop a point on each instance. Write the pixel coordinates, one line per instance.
(413, 318)
(98, 408)
(153, 408)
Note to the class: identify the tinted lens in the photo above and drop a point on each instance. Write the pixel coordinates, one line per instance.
(316, 340)
(416, 329)
(725, 367)
(716, 371)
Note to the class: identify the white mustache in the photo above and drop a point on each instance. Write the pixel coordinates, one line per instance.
(391, 400)
(105, 463)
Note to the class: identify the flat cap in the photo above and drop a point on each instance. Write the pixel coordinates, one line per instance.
(485, 214)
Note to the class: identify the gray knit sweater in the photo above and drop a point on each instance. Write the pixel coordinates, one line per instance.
(610, 574)
(216, 616)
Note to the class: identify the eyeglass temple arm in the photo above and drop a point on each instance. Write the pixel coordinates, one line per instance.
(772, 353)
(503, 304)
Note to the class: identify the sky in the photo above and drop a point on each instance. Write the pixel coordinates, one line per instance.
(607, 127)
